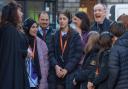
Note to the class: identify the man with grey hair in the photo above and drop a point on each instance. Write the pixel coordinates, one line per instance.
(101, 22)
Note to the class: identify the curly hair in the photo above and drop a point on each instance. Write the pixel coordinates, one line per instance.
(9, 13)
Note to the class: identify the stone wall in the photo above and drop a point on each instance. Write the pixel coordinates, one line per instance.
(72, 5)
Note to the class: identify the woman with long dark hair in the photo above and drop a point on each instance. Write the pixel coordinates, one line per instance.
(37, 62)
(91, 49)
(99, 76)
(65, 51)
(82, 23)
(32, 60)
(13, 49)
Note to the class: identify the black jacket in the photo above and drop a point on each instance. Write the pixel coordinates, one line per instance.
(100, 81)
(101, 27)
(71, 58)
(13, 49)
(86, 68)
(48, 35)
(118, 64)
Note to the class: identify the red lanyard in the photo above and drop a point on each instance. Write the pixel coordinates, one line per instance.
(61, 43)
(33, 51)
(97, 71)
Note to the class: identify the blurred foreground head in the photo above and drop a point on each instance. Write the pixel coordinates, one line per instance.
(11, 13)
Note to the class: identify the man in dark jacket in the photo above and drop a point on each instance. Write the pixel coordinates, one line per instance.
(101, 22)
(44, 30)
(118, 64)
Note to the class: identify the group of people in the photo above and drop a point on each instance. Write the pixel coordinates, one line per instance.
(24, 49)
(78, 55)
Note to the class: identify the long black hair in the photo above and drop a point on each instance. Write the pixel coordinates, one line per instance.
(85, 24)
(105, 43)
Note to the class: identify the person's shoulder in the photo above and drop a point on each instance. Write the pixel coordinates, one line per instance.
(73, 32)
(108, 21)
(9, 28)
(40, 40)
(51, 29)
(115, 48)
(106, 52)
(93, 25)
(8, 25)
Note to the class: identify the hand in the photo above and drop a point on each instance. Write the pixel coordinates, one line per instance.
(64, 72)
(74, 81)
(29, 54)
(90, 85)
(59, 71)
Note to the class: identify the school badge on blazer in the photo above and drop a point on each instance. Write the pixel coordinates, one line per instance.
(93, 62)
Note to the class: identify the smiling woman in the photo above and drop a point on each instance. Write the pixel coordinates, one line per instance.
(32, 59)
(36, 62)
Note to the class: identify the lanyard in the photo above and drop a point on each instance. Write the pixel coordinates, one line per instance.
(33, 50)
(61, 43)
(97, 71)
